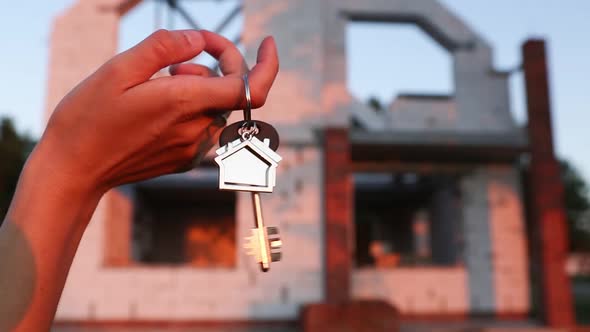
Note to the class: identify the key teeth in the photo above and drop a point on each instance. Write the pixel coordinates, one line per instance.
(250, 243)
(275, 256)
(274, 244)
(272, 230)
(251, 246)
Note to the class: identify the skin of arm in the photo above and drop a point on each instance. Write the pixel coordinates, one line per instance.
(118, 126)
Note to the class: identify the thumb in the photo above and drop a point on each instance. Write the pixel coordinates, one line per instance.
(161, 49)
(192, 69)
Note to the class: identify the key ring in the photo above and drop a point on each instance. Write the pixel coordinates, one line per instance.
(248, 109)
(249, 128)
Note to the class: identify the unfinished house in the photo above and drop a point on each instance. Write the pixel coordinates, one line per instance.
(420, 206)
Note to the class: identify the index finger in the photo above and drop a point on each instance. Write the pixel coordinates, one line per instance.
(231, 60)
(228, 92)
(196, 94)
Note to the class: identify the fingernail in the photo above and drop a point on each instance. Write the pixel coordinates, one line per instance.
(194, 37)
(202, 151)
(219, 121)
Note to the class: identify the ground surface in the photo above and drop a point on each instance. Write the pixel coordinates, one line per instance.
(176, 329)
(470, 326)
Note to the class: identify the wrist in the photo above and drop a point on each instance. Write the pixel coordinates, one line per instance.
(44, 190)
(51, 167)
(48, 185)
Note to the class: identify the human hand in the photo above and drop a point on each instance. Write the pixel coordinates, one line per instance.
(119, 126)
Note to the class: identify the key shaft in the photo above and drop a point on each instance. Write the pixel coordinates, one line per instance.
(265, 257)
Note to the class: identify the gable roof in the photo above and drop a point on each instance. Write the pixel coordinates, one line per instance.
(255, 144)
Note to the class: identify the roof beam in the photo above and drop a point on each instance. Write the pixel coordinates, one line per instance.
(126, 5)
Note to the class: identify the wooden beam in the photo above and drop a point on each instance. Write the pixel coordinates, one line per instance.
(126, 5)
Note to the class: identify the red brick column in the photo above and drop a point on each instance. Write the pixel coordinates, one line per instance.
(339, 213)
(547, 190)
(339, 312)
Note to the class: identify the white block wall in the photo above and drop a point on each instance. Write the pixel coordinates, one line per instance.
(415, 290)
(97, 292)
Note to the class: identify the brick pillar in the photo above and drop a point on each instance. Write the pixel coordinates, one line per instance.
(339, 312)
(339, 213)
(83, 37)
(547, 190)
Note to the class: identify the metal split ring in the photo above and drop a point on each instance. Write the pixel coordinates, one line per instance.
(248, 109)
(249, 128)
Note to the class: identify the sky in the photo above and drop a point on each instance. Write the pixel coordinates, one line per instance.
(384, 59)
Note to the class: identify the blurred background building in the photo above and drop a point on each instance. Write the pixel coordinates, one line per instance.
(434, 207)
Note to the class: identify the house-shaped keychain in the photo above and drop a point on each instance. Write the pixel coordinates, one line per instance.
(247, 165)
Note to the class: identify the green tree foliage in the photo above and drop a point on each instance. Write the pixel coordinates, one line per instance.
(375, 104)
(14, 150)
(577, 205)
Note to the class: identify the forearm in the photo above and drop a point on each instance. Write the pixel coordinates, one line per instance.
(38, 241)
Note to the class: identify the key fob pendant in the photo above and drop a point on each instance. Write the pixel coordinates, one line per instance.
(265, 131)
(247, 165)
